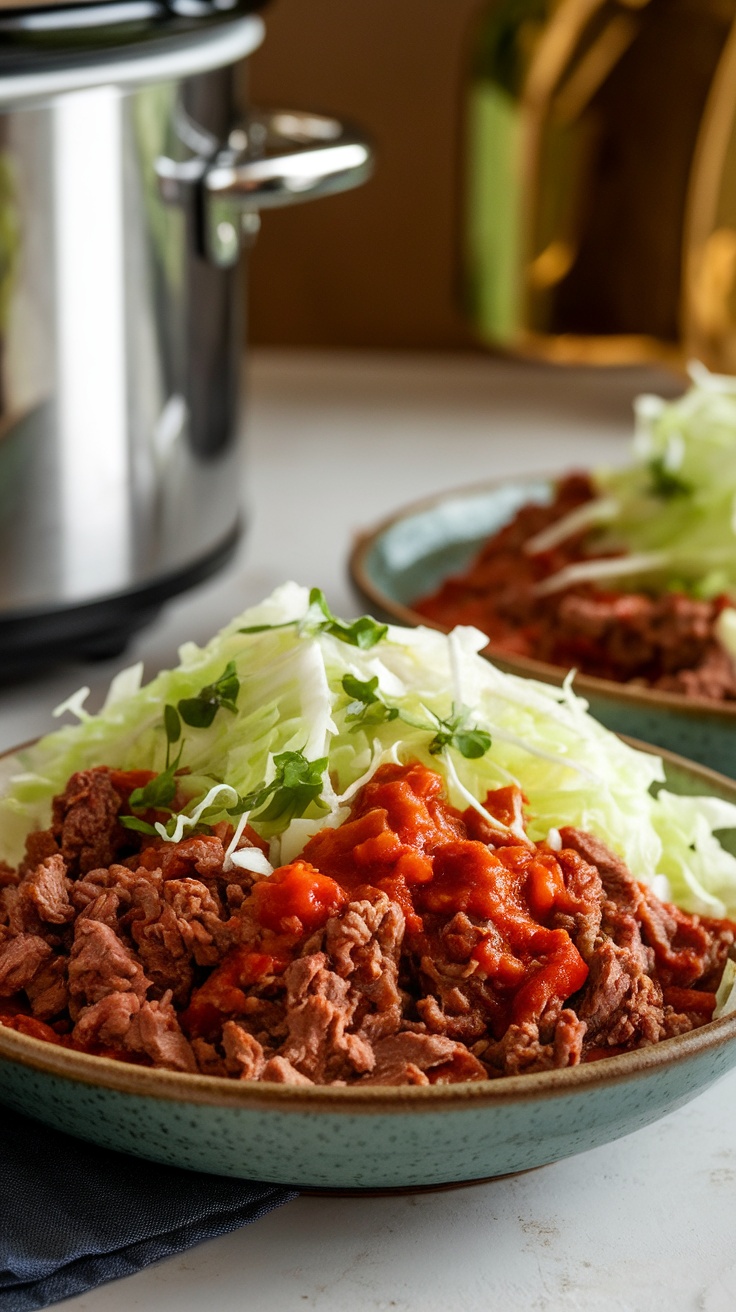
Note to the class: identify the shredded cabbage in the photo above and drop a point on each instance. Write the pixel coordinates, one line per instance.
(672, 510)
(291, 699)
(726, 994)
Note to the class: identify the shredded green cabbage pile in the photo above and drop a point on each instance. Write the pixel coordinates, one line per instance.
(672, 510)
(291, 698)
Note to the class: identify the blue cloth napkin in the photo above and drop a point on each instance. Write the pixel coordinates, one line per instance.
(73, 1215)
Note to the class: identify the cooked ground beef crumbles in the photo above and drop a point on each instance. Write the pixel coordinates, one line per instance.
(665, 641)
(414, 944)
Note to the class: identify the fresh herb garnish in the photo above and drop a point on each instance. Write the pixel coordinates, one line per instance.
(172, 728)
(470, 742)
(366, 708)
(364, 632)
(665, 483)
(296, 784)
(159, 792)
(200, 711)
(135, 822)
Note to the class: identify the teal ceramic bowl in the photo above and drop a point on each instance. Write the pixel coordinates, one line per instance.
(413, 552)
(370, 1138)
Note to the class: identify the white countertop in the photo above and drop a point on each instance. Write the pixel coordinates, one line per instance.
(642, 1225)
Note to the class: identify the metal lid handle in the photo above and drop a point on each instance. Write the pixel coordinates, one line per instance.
(277, 158)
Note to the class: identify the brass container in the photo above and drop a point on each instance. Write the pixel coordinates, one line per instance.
(601, 180)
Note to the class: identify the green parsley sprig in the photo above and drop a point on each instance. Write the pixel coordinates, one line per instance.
(295, 785)
(364, 632)
(665, 483)
(470, 741)
(159, 792)
(199, 711)
(368, 708)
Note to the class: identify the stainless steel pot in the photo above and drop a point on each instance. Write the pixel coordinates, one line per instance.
(128, 186)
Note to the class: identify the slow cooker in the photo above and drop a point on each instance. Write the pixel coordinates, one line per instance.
(130, 183)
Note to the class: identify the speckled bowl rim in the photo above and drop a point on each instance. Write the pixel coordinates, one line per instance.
(216, 1091)
(527, 666)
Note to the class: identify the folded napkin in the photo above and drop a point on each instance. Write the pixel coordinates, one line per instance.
(73, 1216)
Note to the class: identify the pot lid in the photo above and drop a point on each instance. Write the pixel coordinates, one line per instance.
(59, 36)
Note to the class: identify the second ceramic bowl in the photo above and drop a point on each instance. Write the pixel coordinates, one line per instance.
(413, 552)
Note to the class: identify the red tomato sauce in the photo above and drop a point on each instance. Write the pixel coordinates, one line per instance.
(407, 840)
(404, 838)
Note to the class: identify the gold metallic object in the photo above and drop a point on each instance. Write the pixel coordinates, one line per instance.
(601, 180)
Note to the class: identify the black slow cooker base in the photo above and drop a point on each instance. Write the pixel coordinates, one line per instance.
(33, 640)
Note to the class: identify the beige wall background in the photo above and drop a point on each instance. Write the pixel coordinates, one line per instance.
(377, 267)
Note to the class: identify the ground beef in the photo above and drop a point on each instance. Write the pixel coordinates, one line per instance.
(21, 958)
(100, 963)
(342, 1001)
(203, 855)
(615, 877)
(523, 1048)
(280, 1071)
(48, 990)
(423, 1059)
(44, 892)
(244, 1055)
(119, 1024)
(39, 845)
(364, 944)
(172, 924)
(320, 1008)
(621, 1004)
(382, 956)
(664, 640)
(85, 822)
